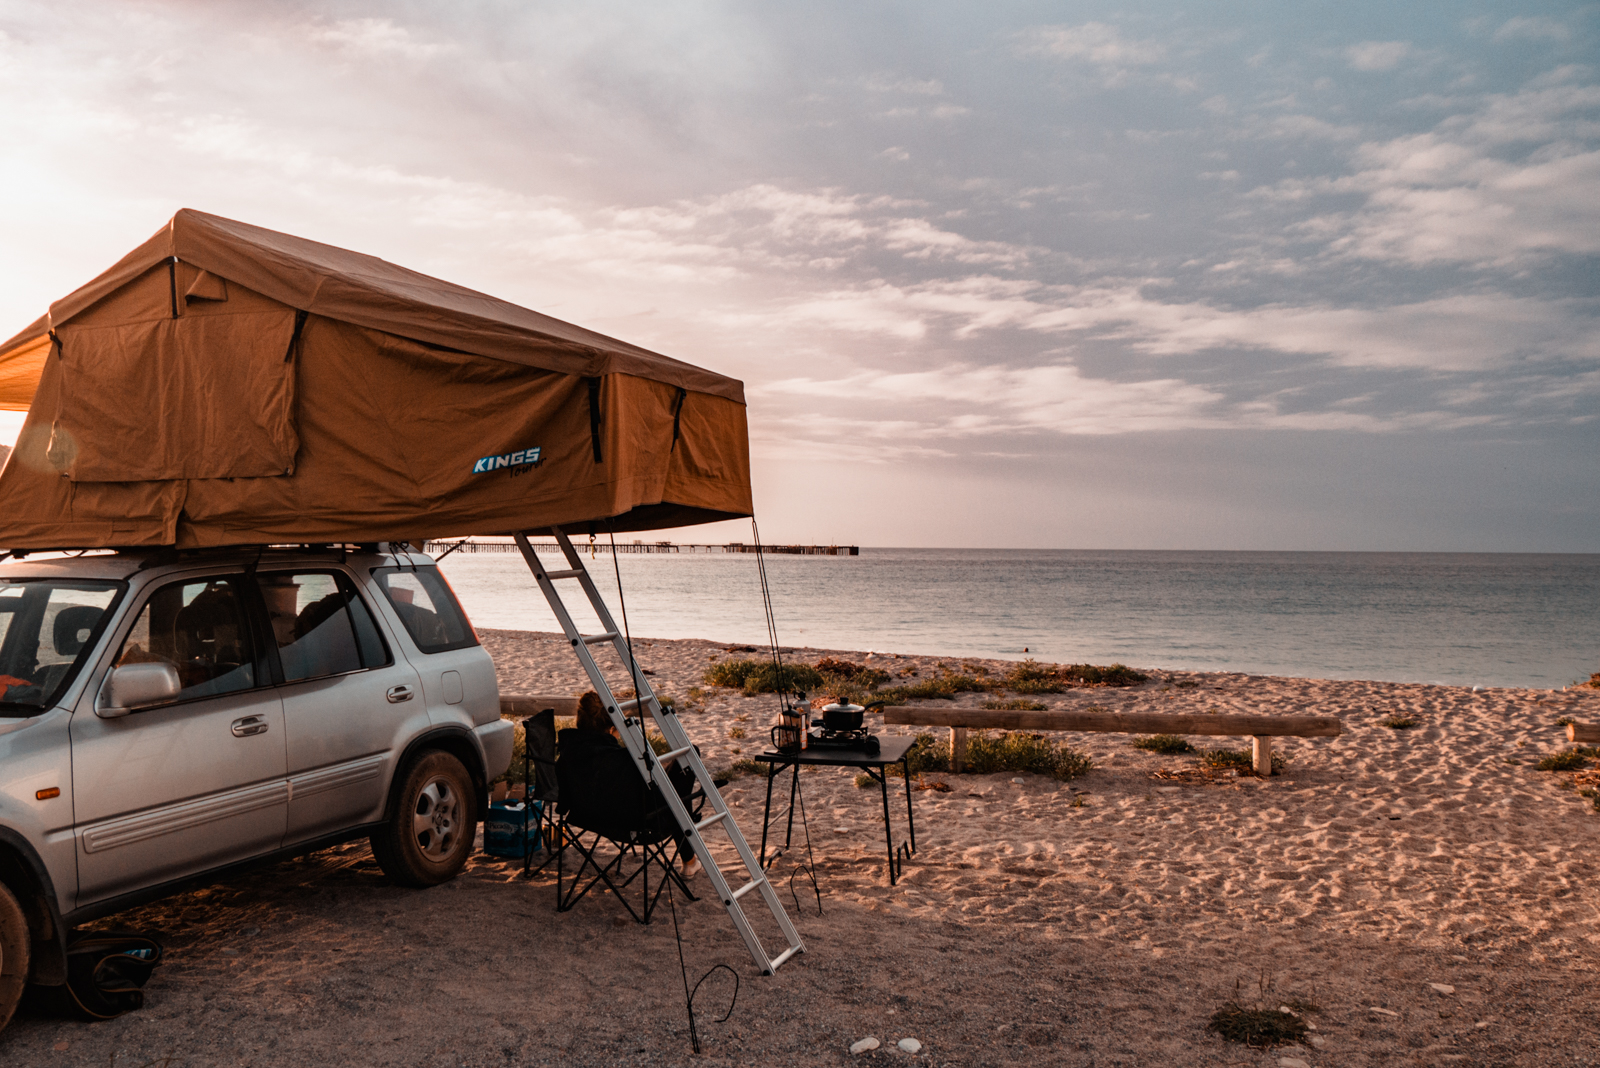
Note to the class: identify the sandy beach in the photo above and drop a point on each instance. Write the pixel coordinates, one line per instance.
(1427, 889)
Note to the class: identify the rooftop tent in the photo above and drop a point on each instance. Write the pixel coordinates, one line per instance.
(225, 384)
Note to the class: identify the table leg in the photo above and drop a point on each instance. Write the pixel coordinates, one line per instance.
(794, 787)
(766, 813)
(911, 821)
(888, 828)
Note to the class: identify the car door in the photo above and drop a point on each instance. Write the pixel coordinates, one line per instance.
(349, 704)
(197, 781)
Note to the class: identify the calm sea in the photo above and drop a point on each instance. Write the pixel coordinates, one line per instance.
(1462, 618)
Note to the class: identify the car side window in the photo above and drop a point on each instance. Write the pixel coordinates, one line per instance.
(423, 601)
(200, 628)
(320, 624)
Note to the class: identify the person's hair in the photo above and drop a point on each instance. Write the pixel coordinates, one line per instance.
(592, 714)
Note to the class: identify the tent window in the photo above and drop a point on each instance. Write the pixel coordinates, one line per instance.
(199, 397)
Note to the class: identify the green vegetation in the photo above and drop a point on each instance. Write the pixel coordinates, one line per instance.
(1031, 676)
(1165, 744)
(1237, 759)
(739, 769)
(844, 681)
(1016, 704)
(942, 687)
(991, 752)
(1399, 723)
(762, 676)
(1570, 760)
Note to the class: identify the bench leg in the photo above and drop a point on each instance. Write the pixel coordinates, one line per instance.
(958, 750)
(1261, 755)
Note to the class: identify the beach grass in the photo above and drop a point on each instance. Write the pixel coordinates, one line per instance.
(942, 687)
(1165, 744)
(1575, 759)
(1030, 676)
(1237, 759)
(1399, 723)
(763, 676)
(1016, 704)
(993, 752)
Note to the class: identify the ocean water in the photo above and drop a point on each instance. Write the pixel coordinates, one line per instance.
(1489, 619)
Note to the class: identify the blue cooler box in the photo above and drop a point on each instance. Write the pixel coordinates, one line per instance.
(511, 830)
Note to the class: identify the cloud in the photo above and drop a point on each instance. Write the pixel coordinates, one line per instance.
(1462, 193)
(376, 38)
(1094, 42)
(1377, 55)
(1532, 27)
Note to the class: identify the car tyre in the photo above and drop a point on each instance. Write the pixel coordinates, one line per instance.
(16, 951)
(430, 830)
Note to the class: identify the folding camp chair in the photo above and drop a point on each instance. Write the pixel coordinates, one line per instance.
(541, 784)
(605, 806)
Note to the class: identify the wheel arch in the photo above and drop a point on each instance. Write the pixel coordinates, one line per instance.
(459, 743)
(25, 875)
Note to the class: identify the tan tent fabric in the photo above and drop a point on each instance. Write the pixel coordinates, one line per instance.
(181, 404)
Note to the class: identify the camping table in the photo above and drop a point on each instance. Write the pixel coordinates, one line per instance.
(890, 751)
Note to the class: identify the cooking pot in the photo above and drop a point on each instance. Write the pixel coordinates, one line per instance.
(842, 717)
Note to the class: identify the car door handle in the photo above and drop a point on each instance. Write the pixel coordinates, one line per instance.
(397, 694)
(244, 728)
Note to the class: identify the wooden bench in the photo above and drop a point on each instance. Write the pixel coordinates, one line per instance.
(1584, 733)
(1259, 729)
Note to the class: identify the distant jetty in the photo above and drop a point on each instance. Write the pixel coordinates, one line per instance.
(506, 545)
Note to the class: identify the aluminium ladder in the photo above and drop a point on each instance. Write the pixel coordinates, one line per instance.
(629, 721)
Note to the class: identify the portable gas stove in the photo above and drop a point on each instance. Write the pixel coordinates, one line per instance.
(860, 738)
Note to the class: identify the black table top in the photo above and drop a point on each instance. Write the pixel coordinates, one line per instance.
(890, 751)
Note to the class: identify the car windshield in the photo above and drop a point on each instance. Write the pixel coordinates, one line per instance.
(47, 629)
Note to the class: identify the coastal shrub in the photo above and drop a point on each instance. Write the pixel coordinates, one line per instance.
(1570, 760)
(1165, 744)
(1016, 704)
(1237, 759)
(763, 676)
(739, 769)
(1256, 1027)
(1593, 683)
(1030, 676)
(1115, 675)
(992, 752)
(942, 687)
(1565, 721)
(844, 681)
(1399, 723)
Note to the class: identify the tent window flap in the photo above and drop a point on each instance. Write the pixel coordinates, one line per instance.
(187, 398)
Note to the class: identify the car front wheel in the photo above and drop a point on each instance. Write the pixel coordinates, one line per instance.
(15, 953)
(429, 833)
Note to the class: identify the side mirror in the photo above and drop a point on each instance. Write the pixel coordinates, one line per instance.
(134, 686)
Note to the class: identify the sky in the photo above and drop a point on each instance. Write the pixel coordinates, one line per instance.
(1056, 275)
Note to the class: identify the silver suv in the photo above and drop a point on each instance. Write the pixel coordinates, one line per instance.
(166, 716)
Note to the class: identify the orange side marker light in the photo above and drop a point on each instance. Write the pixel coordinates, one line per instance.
(45, 795)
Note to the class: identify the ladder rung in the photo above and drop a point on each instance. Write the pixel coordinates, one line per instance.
(785, 955)
(632, 702)
(710, 820)
(573, 573)
(596, 639)
(676, 753)
(749, 886)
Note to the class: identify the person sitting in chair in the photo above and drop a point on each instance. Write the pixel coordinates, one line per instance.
(602, 793)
